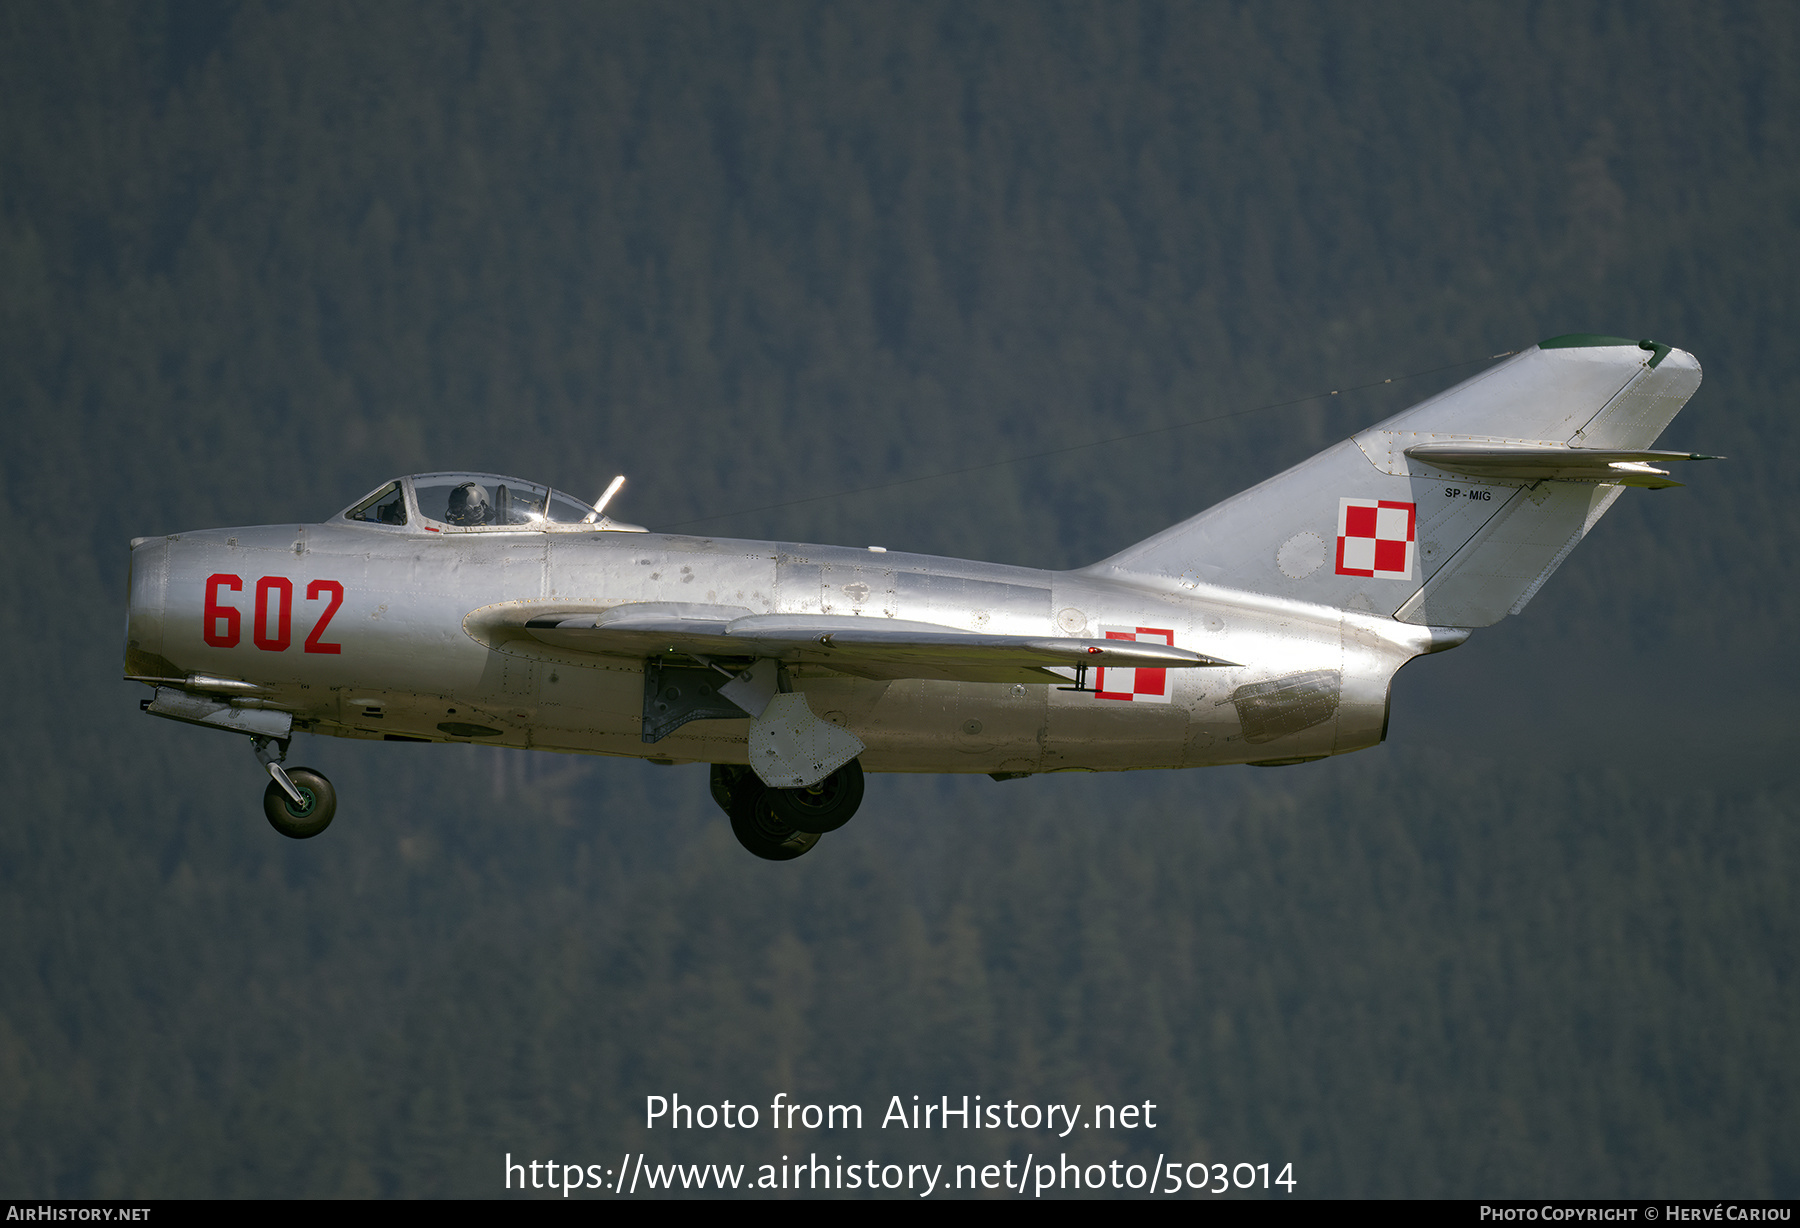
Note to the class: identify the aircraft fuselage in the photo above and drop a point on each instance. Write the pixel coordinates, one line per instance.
(371, 631)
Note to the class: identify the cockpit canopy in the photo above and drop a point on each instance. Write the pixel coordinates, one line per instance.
(479, 502)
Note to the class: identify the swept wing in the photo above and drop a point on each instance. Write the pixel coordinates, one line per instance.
(881, 648)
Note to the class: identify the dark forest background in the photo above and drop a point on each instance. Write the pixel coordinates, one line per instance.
(256, 258)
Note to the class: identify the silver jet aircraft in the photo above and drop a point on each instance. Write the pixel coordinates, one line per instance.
(470, 607)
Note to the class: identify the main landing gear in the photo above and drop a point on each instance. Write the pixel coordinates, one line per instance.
(299, 802)
(781, 824)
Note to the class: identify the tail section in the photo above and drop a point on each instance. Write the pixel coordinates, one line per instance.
(1454, 512)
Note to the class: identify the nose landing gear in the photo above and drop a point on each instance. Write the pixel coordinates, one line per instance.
(299, 802)
(311, 815)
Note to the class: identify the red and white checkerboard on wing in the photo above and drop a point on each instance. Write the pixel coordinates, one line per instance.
(1375, 538)
(1149, 686)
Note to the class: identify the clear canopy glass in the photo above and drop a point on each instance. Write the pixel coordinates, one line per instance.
(470, 502)
(486, 500)
(385, 506)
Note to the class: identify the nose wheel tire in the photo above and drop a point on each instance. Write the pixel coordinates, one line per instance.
(826, 806)
(301, 822)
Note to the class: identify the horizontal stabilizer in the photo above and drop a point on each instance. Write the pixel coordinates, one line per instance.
(866, 647)
(1534, 462)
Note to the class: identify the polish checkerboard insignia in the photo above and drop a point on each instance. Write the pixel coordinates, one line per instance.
(1149, 686)
(1375, 538)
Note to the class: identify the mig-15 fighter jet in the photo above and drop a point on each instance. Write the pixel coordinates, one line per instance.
(471, 607)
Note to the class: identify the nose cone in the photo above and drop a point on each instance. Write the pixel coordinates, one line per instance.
(144, 609)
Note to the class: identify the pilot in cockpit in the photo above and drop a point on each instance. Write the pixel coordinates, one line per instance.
(468, 505)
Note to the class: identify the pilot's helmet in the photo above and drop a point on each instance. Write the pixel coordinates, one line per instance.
(468, 505)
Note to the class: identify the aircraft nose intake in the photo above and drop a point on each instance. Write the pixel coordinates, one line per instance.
(144, 607)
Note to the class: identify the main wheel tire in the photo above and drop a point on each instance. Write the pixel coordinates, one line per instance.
(826, 806)
(301, 822)
(726, 780)
(754, 823)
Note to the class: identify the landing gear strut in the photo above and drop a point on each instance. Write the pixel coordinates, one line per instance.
(299, 802)
(781, 824)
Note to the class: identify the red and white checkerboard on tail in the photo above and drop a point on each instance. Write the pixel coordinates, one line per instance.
(1142, 685)
(1375, 538)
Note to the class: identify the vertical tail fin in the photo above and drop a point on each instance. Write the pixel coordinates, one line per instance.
(1453, 512)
